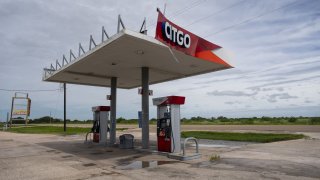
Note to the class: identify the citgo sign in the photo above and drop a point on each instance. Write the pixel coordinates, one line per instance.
(184, 41)
(175, 35)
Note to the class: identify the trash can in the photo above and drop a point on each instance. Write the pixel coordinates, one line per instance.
(126, 141)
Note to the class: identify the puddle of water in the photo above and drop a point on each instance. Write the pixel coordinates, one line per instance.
(88, 164)
(51, 150)
(97, 153)
(144, 164)
(67, 156)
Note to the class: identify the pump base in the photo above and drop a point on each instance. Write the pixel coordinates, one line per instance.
(184, 157)
(96, 137)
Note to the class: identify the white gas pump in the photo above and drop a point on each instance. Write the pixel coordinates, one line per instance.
(168, 123)
(100, 127)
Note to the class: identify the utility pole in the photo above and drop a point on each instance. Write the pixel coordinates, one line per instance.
(6, 127)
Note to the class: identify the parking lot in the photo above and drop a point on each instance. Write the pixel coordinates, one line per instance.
(33, 156)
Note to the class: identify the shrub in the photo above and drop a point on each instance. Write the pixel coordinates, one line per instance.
(315, 120)
(292, 119)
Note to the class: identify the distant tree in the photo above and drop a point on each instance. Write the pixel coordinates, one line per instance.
(44, 119)
(193, 118)
(76, 121)
(265, 118)
(247, 121)
(56, 120)
(315, 120)
(153, 120)
(292, 119)
(184, 119)
(89, 121)
(221, 117)
(121, 119)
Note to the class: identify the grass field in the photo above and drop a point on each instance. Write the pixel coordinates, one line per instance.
(249, 137)
(229, 136)
(52, 130)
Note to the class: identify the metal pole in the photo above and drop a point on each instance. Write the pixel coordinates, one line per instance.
(27, 116)
(7, 121)
(26, 121)
(64, 108)
(118, 29)
(113, 113)
(7, 117)
(145, 107)
(11, 112)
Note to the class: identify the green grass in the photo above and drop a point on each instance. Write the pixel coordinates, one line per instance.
(52, 130)
(248, 137)
(214, 157)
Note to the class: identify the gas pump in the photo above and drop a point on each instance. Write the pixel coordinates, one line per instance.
(168, 123)
(100, 128)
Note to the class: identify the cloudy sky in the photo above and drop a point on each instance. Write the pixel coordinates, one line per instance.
(275, 46)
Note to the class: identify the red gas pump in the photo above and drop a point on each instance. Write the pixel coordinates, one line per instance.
(164, 134)
(168, 123)
(100, 127)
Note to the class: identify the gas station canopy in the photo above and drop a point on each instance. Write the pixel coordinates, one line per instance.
(130, 59)
(123, 55)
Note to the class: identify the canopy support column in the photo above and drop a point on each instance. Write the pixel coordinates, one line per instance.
(64, 107)
(145, 107)
(113, 113)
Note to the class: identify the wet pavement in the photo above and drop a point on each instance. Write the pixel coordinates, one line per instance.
(32, 156)
(143, 164)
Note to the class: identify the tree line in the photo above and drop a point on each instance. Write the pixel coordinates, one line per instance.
(195, 120)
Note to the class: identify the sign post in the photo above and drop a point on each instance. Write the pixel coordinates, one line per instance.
(20, 108)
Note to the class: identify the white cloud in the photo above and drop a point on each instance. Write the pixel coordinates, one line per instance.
(230, 93)
(281, 96)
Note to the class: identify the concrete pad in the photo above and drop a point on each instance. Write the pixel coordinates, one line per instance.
(31, 156)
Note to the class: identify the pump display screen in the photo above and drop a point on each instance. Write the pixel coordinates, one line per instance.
(163, 125)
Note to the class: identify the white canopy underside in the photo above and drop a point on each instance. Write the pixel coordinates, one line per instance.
(123, 55)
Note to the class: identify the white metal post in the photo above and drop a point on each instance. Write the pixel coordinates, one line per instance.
(175, 124)
(103, 117)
